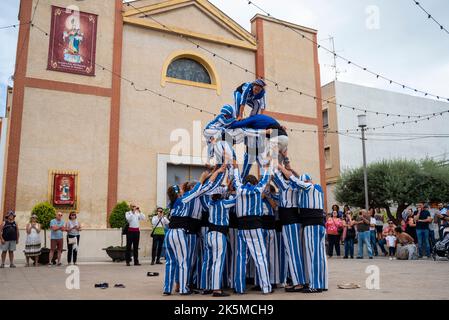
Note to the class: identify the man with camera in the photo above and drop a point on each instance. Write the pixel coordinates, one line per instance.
(133, 217)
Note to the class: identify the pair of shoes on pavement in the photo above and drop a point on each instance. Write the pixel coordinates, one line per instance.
(104, 285)
(152, 274)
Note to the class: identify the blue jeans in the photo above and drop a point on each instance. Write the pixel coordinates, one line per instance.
(349, 247)
(432, 240)
(423, 241)
(365, 237)
(382, 243)
(373, 241)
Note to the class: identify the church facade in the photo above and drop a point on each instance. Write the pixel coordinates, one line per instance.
(103, 97)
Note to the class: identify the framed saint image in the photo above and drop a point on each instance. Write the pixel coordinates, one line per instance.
(63, 190)
(73, 38)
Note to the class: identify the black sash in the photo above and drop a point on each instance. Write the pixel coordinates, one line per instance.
(205, 219)
(312, 217)
(289, 216)
(249, 223)
(221, 229)
(268, 222)
(179, 222)
(233, 221)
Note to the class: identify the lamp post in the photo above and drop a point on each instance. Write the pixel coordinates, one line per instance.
(362, 126)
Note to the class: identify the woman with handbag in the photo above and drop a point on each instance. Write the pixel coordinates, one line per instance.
(159, 222)
(73, 228)
(334, 229)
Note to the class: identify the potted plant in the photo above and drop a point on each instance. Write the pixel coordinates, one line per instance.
(117, 219)
(45, 212)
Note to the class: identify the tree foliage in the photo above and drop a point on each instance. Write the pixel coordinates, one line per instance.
(395, 183)
(117, 218)
(45, 212)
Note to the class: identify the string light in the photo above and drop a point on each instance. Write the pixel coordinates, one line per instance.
(429, 16)
(349, 61)
(275, 83)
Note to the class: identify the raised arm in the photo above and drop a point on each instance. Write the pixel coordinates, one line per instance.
(229, 203)
(265, 177)
(279, 180)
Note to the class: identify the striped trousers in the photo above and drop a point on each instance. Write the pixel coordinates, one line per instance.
(252, 241)
(214, 260)
(291, 235)
(176, 260)
(231, 257)
(282, 256)
(271, 243)
(315, 256)
(192, 254)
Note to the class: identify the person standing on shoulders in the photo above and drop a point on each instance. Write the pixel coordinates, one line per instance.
(9, 238)
(159, 222)
(133, 217)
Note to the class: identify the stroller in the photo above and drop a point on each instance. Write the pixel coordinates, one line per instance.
(441, 248)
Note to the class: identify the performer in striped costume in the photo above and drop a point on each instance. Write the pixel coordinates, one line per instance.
(250, 234)
(215, 255)
(291, 230)
(246, 94)
(311, 203)
(176, 240)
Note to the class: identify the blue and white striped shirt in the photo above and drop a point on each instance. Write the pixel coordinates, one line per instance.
(249, 197)
(288, 194)
(247, 95)
(267, 209)
(219, 211)
(182, 206)
(311, 196)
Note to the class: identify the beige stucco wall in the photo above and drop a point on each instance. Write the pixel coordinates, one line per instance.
(331, 139)
(64, 131)
(146, 120)
(38, 53)
(289, 61)
(191, 17)
(303, 150)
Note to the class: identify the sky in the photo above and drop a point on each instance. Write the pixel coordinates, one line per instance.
(391, 37)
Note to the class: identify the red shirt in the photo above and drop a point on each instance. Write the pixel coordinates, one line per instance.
(332, 225)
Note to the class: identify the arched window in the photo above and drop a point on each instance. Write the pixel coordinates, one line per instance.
(190, 68)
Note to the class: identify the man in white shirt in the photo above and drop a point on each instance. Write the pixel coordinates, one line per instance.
(133, 217)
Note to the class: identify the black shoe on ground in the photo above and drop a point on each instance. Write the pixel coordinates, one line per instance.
(206, 292)
(352, 257)
(220, 294)
(188, 293)
(359, 257)
(294, 289)
(152, 263)
(137, 264)
(167, 293)
(310, 290)
(256, 288)
(128, 264)
(158, 262)
(345, 257)
(371, 257)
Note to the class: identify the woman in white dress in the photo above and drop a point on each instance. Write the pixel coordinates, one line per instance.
(33, 241)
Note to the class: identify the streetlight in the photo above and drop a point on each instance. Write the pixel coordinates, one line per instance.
(362, 126)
